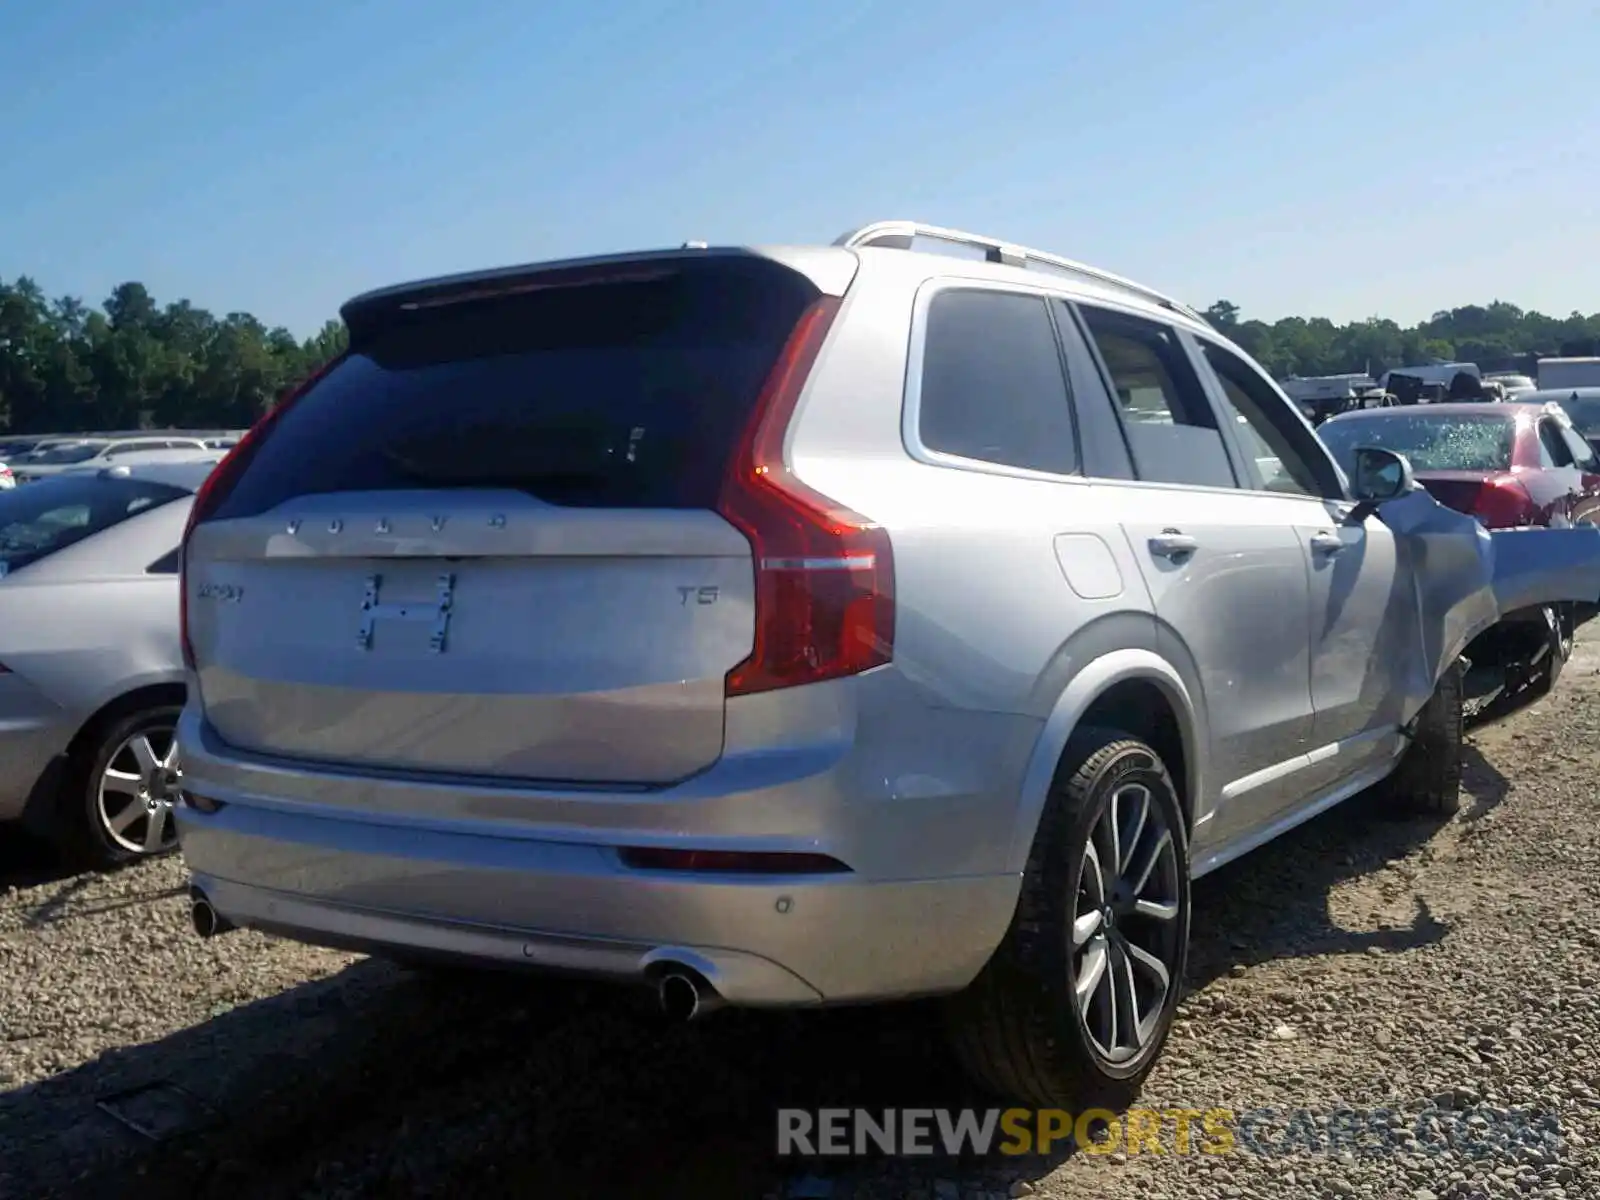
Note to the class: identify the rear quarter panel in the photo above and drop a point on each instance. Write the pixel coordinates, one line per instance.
(997, 615)
(90, 623)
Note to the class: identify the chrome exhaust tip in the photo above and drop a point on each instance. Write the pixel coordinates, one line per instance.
(207, 921)
(686, 995)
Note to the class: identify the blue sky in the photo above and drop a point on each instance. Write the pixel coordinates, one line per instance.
(1343, 159)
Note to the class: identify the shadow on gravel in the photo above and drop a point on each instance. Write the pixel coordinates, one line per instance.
(1273, 903)
(26, 862)
(58, 909)
(1483, 783)
(378, 1082)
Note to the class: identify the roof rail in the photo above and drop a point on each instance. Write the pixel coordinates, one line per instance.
(899, 235)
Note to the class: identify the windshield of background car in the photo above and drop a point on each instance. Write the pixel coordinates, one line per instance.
(54, 456)
(1432, 441)
(38, 519)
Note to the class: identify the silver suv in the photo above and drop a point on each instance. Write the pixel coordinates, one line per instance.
(911, 616)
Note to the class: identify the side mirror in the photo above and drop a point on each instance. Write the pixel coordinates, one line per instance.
(1380, 475)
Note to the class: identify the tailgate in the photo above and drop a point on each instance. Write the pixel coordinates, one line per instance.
(485, 542)
(518, 639)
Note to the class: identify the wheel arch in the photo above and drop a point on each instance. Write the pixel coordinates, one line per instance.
(147, 695)
(41, 813)
(1136, 691)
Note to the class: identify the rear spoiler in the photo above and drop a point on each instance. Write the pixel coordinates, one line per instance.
(830, 270)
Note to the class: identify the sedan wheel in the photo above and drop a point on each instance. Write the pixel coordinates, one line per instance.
(123, 780)
(138, 788)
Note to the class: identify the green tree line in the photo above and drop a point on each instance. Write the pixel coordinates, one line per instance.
(1497, 336)
(133, 363)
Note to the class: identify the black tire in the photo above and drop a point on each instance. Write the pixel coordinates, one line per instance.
(1428, 778)
(1019, 1029)
(1560, 628)
(81, 832)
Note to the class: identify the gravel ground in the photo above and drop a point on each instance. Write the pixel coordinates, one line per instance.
(1434, 983)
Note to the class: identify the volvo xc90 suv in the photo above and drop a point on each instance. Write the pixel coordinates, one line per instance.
(911, 616)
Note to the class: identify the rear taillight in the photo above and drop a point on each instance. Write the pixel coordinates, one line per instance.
(824, 598)
(220, 482)
(1503, 503)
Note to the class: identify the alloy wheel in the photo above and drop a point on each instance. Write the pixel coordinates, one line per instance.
(137, 791)
(1125, 937)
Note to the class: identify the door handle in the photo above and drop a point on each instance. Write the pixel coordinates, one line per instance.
(1327, 543)
(1172, 544)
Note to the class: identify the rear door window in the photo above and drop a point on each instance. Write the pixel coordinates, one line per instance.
(1582, 453)
(41, 518)
(1553, 451)
(993, 387)
(1172, 429)
(629, 388)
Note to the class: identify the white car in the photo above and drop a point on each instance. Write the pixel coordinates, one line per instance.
(94, 453)
(145, 458)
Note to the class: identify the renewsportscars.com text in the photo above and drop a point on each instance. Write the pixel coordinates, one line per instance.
(1267, 1132)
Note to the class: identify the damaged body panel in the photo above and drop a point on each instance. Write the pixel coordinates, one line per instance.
(1466, 580)
(1546, 566)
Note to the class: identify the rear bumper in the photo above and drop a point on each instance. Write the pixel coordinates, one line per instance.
(557, 897)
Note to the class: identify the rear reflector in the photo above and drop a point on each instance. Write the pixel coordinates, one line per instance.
(731, 862)
(824, 586)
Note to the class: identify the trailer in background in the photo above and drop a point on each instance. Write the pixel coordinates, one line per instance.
(1568, 373)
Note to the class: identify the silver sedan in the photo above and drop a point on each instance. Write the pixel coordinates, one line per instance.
(91, 675)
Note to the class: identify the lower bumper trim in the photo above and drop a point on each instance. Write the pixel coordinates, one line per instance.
(738, 976)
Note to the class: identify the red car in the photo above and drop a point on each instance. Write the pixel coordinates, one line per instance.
(1507, 464)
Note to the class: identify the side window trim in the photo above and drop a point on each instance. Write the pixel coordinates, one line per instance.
(1104, 449)
(911, 401)
(1297, 436)
(1244, 463)
(1230, 452)
(168, 564)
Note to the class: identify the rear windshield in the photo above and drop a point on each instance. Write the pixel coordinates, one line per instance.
(38, 519)
(625, 391)
(1432, 441)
